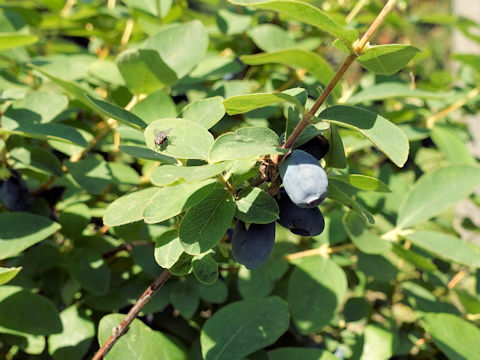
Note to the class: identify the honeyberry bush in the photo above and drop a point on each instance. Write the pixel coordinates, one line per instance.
(135, 134)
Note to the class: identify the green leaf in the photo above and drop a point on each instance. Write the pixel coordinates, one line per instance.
(7, 274)
(436, 192)
(75, 339)
(456, 338)
(387, 59)
(313, 63)
(168, 174)
(378, 343)
(389, 90)
(122, 115)
(89, 269)
(157, 105)
(342, 198)
(140, 342)
(181, 46)
(303, 12)
(454, 148)
(289, 353)
(259, 282)
(12, 40)
(246, 143)
(205, 269)
(74, 219)
(19, 231)
(185, 298)
(168, 249)
(47, 104)
(269, 37)
(387, 137)
(185, 139)
(128, 208)
(37, 159)
(23, 122)
(205, 112)
(144, 71)
(316, 290)
(336, 153)
(240, 104)
(413, 258)
(76, 91)
(241, 328)
(362, 182)
(445, 246)
(216, 293)
(256, 206)
(365, 240)
(205, 224)
(172, 200)
(231, 23)
(24, 311)
(92, 173)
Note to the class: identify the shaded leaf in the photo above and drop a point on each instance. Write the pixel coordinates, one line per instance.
(436, 192)
(19, 231)
(243, 327)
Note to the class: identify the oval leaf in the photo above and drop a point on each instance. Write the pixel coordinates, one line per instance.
(456, 338)
(144, 71)
(205, 224)
(446, 247)
(365, 240)
(256, 206)
(205, 112)
(75, 339)
(19, 231)
(316, 290)
(181, 46)
(246, 143)
(387, 59)
(140, 342)
(240, 104)
(119, 113)
(386, 136)
(172, 200)
(243, 327)
(168, 249)
(128, 208)
(436, 192)
(168, 174)
(303, 12)
(313, 63)
(205, 269)
(185, 139)
(7, 274)
(21, 310)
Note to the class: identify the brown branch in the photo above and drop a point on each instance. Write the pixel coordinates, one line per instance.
(358, 48)
(456, 279)
(125, 246)
(122, 328)
(323, 250)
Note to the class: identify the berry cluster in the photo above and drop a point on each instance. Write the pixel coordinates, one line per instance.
(305, 186)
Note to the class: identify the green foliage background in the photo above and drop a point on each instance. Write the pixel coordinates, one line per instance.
(101, 209)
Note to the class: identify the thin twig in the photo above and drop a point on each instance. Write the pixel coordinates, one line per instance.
(356, 9)
(358, 48)
(456, 279)
(110, 124)
(127, 247)
(122, 328)
(451, 108)
(323, 251)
